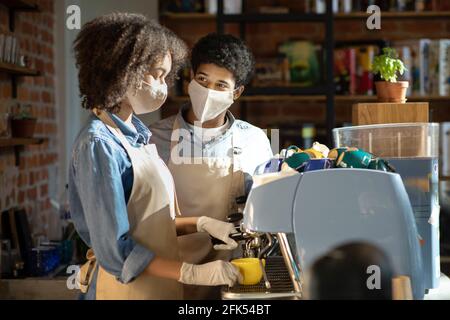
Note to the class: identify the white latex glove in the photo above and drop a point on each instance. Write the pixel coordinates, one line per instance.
(219, 230)
(215, 273)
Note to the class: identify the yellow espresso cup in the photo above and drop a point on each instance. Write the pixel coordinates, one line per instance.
(250, 269)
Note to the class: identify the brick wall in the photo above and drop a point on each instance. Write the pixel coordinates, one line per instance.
(28, 184)
(265, 38)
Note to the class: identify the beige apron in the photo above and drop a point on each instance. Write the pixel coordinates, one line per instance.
(151, 213)
(205, 187)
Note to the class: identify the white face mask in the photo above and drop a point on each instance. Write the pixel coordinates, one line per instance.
(208, 104)
(149, 97)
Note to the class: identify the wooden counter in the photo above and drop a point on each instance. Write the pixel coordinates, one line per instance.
(36, 289)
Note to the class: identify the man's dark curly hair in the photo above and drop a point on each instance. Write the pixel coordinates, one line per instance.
(225, 51)
(114, 52)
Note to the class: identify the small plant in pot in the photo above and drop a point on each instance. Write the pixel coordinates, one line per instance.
(389, 67)
(23, 124)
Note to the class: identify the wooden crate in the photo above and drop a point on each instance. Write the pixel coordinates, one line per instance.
(381, 113)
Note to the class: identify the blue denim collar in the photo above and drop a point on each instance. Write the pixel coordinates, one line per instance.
(140, 135)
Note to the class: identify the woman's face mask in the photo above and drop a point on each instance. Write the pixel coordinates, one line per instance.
(149, 97)
(208, 104)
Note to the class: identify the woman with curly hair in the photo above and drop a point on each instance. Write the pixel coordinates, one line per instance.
(226, 153)
(122, 197)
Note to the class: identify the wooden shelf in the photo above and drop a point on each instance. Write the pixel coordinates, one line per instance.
(338, 16)
(15, 6)
(410, 98)
(274, 18)
(19, 5)
(188, 16)
(265, 98)
(317, 98)
(20, 142)
(397, 15)
(18, 70)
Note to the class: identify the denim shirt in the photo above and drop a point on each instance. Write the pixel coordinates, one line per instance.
(100, 184)
(255, 146)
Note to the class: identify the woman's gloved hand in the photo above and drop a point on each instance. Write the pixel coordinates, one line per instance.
(219, 230)
(215, 273)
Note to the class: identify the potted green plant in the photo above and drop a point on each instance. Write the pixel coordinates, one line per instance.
(389, 67)
(23, 124)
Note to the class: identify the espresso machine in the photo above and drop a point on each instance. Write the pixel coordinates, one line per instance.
(311, 213)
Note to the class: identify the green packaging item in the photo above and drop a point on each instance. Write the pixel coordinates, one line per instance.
(354, 159)
(297, 160)
(381, 165)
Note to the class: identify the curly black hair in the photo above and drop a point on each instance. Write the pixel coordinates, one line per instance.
(225, 51)
(114, 52)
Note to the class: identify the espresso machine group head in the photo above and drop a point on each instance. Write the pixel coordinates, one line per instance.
(321, 210)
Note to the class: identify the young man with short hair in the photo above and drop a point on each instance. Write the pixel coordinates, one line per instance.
(212, 155)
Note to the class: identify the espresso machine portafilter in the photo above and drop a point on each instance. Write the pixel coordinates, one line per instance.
(253, 244)
(280, 271)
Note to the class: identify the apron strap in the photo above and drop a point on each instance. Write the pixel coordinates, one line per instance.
(86, 272)
(238, 178)
(174, 141)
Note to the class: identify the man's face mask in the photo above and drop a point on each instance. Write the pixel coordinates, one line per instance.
(208, 104)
